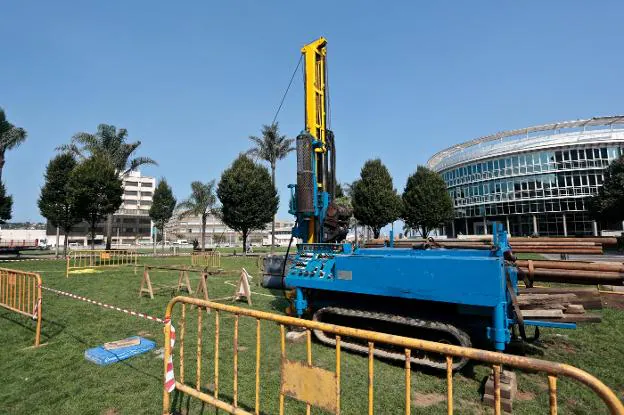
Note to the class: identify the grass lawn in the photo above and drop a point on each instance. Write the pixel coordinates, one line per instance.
(56, 379)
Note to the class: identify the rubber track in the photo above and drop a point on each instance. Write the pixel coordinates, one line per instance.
(462, 338)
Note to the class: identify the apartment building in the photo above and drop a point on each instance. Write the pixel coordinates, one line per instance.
(131, 222)
(218, 234)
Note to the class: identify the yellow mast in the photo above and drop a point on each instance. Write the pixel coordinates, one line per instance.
(314, 55)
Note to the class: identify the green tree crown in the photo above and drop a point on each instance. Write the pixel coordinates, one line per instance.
(56, 203)
(10, 138)
(375, 200)
(163, 204)
(608, 204)
(96, 190)
(248, 197)
(6, 204)
(426, 202)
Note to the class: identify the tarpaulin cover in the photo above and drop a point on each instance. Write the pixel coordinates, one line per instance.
(103, 357)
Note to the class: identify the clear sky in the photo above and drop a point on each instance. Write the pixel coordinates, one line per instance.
(192, 80)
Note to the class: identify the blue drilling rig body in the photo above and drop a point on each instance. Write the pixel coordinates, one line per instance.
(468, 283)
(459, 296)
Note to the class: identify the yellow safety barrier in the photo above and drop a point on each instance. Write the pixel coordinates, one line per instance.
(97, 258)
(206, 259)
(21, 292)
(321, 388)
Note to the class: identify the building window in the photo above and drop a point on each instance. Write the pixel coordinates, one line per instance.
(147, 184)
(129, 183)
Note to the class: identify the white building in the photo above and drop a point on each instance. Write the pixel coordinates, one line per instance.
(218, 234)
(131, 222)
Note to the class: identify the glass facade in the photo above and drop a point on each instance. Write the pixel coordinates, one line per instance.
(530, 192)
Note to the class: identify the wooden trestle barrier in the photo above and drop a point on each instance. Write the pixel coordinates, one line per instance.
(242, 288)
(21, 292)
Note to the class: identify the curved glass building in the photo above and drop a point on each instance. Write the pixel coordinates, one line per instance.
(533, 180)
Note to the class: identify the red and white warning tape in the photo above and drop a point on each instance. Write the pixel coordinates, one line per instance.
(37, 304)
(101, 304)
(169, 376)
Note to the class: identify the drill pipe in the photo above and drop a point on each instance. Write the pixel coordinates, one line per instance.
(574, 276)
(574, 265)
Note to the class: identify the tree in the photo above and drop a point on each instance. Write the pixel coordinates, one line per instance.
(10, 137)
(56, 202)
(248, 197)
(339, 192)
(271, 148)
(426, 202)
(96, 191)
(6, 204)
(163, 205)
(608, 204)
(201, 203)
(375, 200)
(110, 144)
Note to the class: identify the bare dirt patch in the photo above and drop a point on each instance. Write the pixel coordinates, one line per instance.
(525, 396)
(110, 411)
(561, 343)
(423, 400)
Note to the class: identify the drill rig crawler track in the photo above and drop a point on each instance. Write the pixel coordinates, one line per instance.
(458, 337)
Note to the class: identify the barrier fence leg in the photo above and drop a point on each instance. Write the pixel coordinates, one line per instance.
(39, 306)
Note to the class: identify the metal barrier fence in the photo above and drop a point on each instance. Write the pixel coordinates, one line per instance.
(206, 259)
(97, 258)
(21, 292)
(321, 388)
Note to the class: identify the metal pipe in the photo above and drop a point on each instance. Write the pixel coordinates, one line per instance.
(574, 276)
(574, 265)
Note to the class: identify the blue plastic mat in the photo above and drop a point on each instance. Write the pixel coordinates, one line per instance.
(99, 355)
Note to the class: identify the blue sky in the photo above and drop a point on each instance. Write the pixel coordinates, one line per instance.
(192, 80)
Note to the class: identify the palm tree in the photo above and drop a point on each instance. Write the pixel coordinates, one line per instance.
(271, 148)
(111, 144)
(10, 137)
(201, 202)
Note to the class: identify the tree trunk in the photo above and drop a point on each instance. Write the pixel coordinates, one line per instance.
(244, 242)
(56, 247)
(109, 231)
(355, 227)
(203, 233)
(214, 219)
(162, 237)
(376, 232)
(93, 235)
(1, 163)
(65, 243)
(273, 219)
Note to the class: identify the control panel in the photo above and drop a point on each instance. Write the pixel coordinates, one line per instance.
(316, 261)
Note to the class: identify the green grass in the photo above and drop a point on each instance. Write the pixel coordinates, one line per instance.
(56, 379)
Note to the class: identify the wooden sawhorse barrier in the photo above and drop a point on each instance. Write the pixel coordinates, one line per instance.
(242, 290)
(183, 278)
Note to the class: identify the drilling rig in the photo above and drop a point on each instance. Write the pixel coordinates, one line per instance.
(460, 297)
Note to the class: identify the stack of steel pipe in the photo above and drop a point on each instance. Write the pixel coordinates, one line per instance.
(591, 246)
(573, 272)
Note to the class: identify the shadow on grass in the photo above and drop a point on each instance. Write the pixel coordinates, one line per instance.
(181, 403)
(47, 332)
